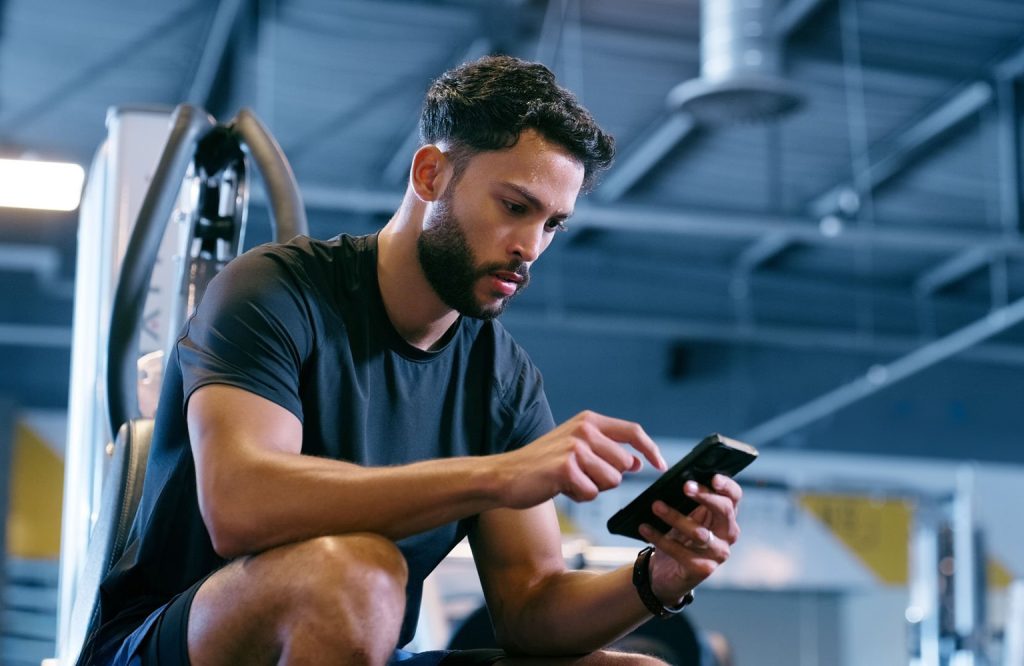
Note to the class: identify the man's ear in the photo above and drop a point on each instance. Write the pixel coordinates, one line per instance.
(431, 171)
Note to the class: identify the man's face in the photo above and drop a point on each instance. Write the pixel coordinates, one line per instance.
(480, 238)
(452, 269)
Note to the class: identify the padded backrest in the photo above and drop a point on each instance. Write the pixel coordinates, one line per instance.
(122, 489)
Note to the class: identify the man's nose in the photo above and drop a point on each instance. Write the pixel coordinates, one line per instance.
(529, 243)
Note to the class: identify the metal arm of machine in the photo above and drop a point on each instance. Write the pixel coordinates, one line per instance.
(282, 190)
(189, 125)
(194, 136)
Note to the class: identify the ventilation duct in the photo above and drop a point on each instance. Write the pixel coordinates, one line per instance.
(740, 64)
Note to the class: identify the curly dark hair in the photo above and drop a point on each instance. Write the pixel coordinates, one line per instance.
(486, 104)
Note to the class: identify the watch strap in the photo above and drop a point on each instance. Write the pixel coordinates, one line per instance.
(642, 583)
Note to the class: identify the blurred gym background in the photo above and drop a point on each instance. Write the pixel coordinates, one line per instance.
(811, 240)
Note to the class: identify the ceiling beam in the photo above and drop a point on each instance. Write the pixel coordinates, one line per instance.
(760, 252)
(41, 260)
(28, 335)
(664, 135)
(906, 147)
(1008, 146)
(952, 270)
(218, 39)
(708, 224)
(396, 171)
(911, 144)
(1012, 66)
(20, 116)
(878, 377)
(522, 318)
(794, 14)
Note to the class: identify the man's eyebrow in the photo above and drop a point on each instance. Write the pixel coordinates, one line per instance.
(534, 201)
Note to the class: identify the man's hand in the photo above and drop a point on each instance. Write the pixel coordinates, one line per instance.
(695, 546)
(580, 458)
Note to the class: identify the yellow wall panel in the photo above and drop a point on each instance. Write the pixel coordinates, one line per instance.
(37, 488)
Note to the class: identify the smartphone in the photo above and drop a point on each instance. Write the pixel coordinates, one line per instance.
(715, 454)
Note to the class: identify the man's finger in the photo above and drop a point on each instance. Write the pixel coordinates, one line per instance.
(724, 485)
(601, 472)
(580, 488)
(630, 433)
(612, 452)
(686, 527)
(720, 508)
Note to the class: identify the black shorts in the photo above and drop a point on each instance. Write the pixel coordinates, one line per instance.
(162, 640)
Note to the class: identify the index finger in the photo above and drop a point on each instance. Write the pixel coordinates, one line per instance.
(631, 433)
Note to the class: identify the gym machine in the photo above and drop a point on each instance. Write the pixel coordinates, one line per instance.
(164, 210)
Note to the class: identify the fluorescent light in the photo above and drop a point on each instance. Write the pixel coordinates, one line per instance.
(40, 185)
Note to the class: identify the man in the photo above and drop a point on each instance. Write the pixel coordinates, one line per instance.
(337, 415)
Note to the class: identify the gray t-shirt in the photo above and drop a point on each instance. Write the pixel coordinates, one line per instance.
(302, 324)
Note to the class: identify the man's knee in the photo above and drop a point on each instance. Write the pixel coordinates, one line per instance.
(348, 598)
(329, 595)
(616, 658)
(361, 567)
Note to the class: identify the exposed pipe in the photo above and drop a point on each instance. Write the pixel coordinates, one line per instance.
(740, 66)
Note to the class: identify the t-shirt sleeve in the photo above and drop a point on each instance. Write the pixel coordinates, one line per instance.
(252, 330)
(525, 408)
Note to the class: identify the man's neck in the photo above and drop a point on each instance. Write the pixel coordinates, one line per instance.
(412, 305)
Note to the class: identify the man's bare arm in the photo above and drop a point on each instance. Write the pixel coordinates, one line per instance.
(256, 492)
(529, 592)
(537, 606)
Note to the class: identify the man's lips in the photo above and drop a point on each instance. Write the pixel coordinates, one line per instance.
(508, 276)
(506, 283)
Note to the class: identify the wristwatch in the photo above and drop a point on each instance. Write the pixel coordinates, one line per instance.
(642, 583)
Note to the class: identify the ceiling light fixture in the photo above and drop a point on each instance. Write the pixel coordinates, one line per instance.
(40, 185)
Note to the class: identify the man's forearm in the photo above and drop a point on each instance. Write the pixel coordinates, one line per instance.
(590, 610)
(279, 498)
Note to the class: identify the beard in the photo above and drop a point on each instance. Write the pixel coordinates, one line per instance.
(451, 269)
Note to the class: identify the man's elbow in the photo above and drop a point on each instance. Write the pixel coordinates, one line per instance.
(516, 640)
(230, 535)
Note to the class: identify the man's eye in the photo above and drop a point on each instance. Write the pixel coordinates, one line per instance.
(515, 208)
(556, 225)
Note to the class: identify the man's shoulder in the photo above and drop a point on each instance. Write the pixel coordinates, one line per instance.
(511, 361)
(307, 250)
(337, 259)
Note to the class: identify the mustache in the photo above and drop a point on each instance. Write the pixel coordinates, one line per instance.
(520, 268)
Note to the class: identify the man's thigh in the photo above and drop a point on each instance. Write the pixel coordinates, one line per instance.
(332, 588)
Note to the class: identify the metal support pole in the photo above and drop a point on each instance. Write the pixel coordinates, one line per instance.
(969, 585)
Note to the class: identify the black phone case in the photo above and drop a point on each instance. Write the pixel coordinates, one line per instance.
(714, 454)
